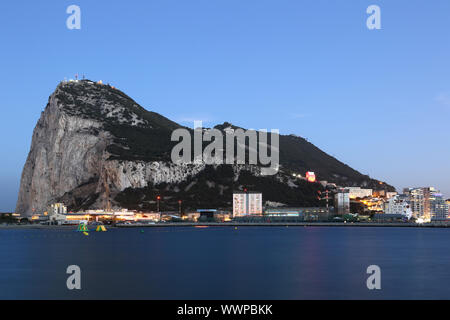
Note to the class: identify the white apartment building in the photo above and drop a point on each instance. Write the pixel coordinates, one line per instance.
(438, 207)
(417, 202)
(57, 208)
(247, 203)
(397, 205)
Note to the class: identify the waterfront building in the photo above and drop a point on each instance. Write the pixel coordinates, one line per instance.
(55, 214)
(447, 202)
(398, 205)
(305, 213)
(438, 207)
(214, 214)
(426, 203)
(381, 217)
(57, 208)
(99, 215)
(342, 202)
(57, 219)
(147, 217)
(9, 216)
(417, 202)
(191, 216)
(247, 203)
(358, 192)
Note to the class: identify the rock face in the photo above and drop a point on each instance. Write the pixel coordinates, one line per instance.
(94, 147)
(69, 160)
(64, 154)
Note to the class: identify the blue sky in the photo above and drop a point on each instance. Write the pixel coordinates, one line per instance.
(378, 100)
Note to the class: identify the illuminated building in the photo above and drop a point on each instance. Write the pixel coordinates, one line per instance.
(417, 202)
(373, 204)
(10, 216)
(427, 204)
(152, 217)
(342, 202)
(247, 203)
(379, 193)
(98, 215)
(448, 208)
(191, 216)
(311, 176)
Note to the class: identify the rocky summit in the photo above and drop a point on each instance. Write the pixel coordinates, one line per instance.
(94, 147)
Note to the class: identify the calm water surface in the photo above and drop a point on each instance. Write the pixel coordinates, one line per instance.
(224, 263)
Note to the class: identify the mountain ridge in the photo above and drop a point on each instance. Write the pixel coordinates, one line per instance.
(95, 147)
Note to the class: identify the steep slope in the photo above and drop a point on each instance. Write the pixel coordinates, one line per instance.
(81, 148)
(95, 147)
(297, 155)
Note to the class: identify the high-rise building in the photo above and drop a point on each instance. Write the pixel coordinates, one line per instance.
(342, 202)
(247, 203)
(438, 207)
(447, 202)
(427, 203)
(417, 202)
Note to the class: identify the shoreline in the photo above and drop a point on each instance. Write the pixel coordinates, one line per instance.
(237, 224)
(289, 224)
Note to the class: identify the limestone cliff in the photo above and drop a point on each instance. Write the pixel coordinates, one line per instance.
(69, 159)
